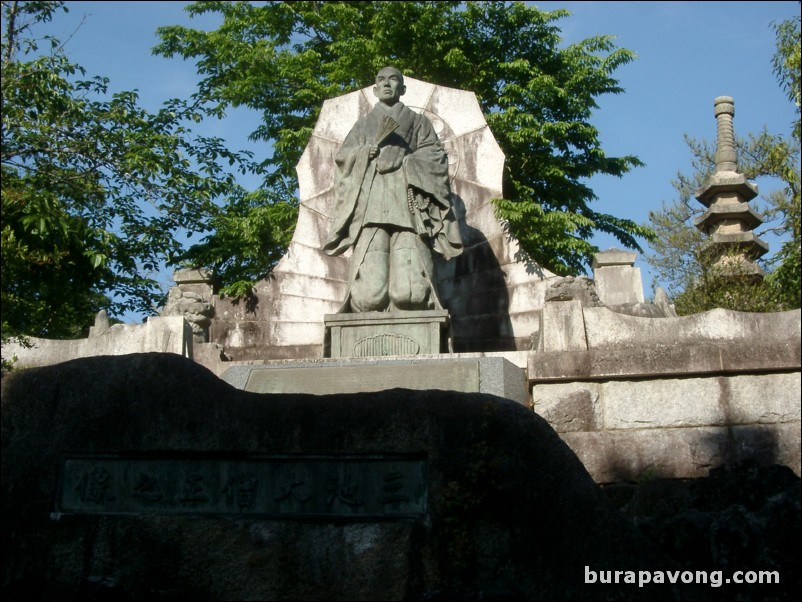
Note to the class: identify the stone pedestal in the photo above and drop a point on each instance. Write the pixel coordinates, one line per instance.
(492, 375)
(378, 334)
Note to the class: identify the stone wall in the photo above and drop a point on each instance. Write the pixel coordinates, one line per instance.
(640, 397)
(159, 334)
(633, 396)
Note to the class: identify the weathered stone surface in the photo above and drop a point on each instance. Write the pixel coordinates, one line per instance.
(631, 455)
(563, 327)
(569, 407)
(465, 116)
(738, 356)
(511, 513)
(242, 333)
(618, 285)
(606, 329)
(745, 399)
(492, 375)
(163, 334)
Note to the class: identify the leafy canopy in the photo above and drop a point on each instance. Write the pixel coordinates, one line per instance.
(95, 190)
(695, 285)
(285, 58)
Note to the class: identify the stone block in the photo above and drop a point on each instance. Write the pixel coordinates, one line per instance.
(305, 261)
(491, 375)
(471, 196)
(614, 257)
(607, 329)
(686, 402)
(563, 327)
(308, 287)
(682, 453)
(462, 106)
(569, 407)
(618, 285)
(169, 334)
(315, 168)
(371, 334)
(245, 333)
(339, 114)
(596, 364)
(311, 229)
(480, 225)
(481, 159)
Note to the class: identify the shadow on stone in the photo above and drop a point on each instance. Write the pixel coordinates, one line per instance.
(476, 293)
(742, 517)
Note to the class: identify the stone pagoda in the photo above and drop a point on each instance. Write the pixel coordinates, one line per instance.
(733, 247)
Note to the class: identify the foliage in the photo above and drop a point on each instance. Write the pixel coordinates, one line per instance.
(676, 260)
(716, 288)
(285, 58)
(95, 190)
(249, 236)
(786, 279)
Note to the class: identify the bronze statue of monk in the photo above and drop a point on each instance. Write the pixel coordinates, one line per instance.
(393, 205)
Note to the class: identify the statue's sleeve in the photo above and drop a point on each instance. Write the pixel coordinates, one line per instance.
(351, 164)
(426, 170)
(427, 167)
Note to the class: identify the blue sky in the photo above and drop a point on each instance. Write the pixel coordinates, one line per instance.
(688, 53)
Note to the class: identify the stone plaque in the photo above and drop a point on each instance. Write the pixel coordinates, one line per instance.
(269, 487)
(325, 380)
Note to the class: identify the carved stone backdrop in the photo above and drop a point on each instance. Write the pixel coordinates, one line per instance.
(493, 298)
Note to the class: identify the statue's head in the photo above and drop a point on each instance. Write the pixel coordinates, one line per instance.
(389, 85)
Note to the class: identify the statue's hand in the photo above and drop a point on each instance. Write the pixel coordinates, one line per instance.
(373, 152)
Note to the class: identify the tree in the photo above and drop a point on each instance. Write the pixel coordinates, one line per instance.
(95, 190)
(285, 58)
(695, 285)
(787, 64)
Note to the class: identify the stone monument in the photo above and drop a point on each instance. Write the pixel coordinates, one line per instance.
(397, 256)
(146, 477)
(492, 297)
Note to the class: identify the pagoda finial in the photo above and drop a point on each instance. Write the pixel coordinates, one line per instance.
(726, 157)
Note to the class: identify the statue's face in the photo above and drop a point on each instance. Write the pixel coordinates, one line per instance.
(389, 85)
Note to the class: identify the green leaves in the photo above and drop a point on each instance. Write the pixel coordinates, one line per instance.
(95, 190)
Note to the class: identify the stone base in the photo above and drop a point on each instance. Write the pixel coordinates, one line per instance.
(492, 375)
(377, 334)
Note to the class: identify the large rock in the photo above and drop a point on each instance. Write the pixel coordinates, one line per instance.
(501, 508)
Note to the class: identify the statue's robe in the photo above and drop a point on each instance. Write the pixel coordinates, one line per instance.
(374, 193)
